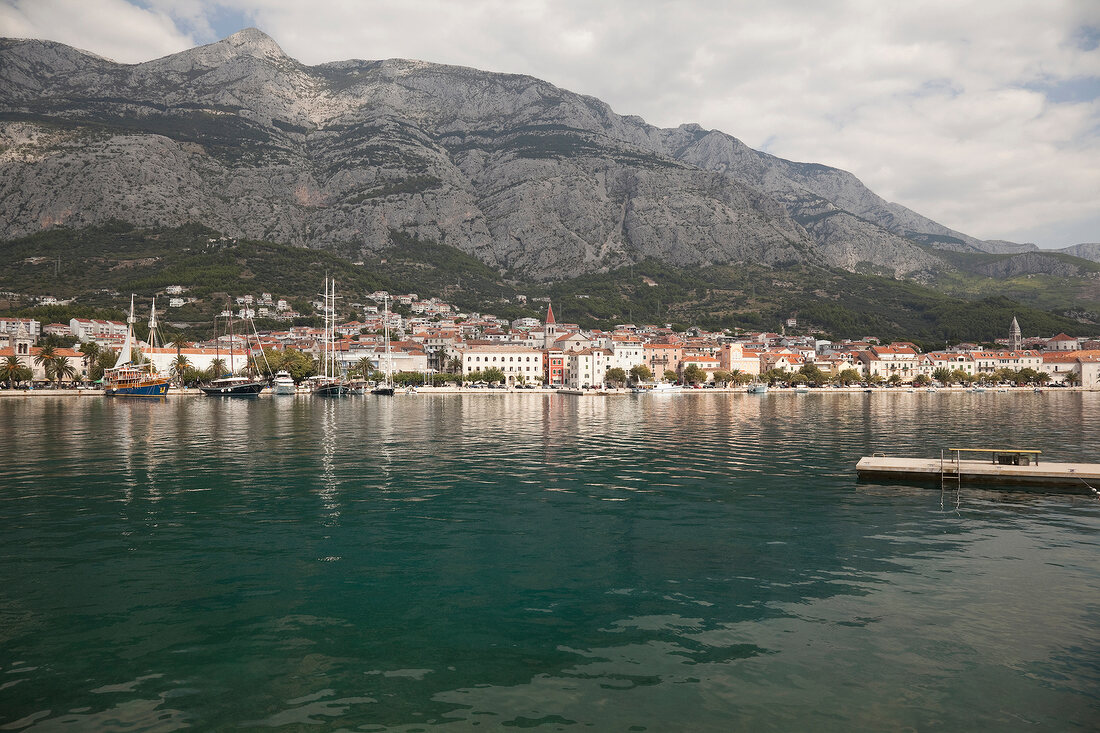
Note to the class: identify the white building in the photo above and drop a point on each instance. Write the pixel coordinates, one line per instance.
(514, 361)
(626, 355)
(586, 367)
(33, 327)
(99, 331)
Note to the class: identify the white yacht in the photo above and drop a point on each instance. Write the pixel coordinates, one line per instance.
(283, 383)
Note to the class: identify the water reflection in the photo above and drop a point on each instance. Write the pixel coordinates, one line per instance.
(440, 561)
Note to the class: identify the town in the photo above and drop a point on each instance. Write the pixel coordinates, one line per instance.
(434, 344)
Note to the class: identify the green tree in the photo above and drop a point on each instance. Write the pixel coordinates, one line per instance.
(894, 380)
(876, 379)
(848, 377)
(299, 364)
(721, 376)
(362, 368)
(740, 378)
(670, 376)
(179, 368)
(942, 375)
(454, 365)
(1044, 377)
(958, 375)
(1072, 378)
(216, 369)
(694, 374)
(45, 355)
(615, 375)
(921, 380)
(90, 350)
(104, 361)
(640, 373)
(772, 376)
(493, 375)
(9, 369)
(797, 378)
(813, 374)
(1027, 375)
(61, 370)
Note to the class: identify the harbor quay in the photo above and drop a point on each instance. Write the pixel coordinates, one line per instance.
(92, 393)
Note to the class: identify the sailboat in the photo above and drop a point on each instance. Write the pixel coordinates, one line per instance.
(231, 386)
(329, 384)
(126, 379)
(386, 388)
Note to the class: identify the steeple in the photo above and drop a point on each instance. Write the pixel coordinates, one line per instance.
(1015, 337)
(550, 331)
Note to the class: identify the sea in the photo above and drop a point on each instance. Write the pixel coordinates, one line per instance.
(694, 562)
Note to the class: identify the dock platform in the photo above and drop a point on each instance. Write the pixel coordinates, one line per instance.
(1020, 467)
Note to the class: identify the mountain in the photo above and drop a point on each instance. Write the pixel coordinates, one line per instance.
(529, 178)
(1087, 251)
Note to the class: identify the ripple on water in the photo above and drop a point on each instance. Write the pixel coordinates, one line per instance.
(518, 561)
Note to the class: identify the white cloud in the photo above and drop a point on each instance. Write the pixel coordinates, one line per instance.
(933, 104)
(113, 28)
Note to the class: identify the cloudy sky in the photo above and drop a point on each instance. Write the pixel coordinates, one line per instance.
(983, 115)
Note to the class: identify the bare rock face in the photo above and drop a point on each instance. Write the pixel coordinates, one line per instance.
(1086, 251)
(1030, 263)
(525, 176)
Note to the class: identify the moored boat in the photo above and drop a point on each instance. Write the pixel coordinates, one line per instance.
(758, 389)
(329, 384)
(126, 379)
(283, 383)
(233, 387)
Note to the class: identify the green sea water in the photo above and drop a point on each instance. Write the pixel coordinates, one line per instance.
(695, 562)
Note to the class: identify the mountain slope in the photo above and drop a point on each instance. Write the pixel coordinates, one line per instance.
(527, 177)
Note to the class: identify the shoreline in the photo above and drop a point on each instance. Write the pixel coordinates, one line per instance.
(174, 393)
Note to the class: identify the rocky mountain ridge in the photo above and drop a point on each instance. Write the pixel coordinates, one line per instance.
(525, 176)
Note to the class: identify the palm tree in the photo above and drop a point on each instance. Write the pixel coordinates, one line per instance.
(363, 367)
(43, 358)
(9, 370)
(217, 368)
(179, 367)
(61, 369)
(104, 361)
(90, 350)
(1072, 378)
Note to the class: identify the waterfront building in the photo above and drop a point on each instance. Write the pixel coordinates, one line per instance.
(554, 359)
(513, 360)
(200, 358)
(626, 353)
(950, 360)
(886, 361)
(987, 362)
(732, 357)
(1085, 364)
(662, 357)
(586, 367)
(22, 347)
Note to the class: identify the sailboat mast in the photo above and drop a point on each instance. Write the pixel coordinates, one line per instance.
(386, 325)
(231, 339)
